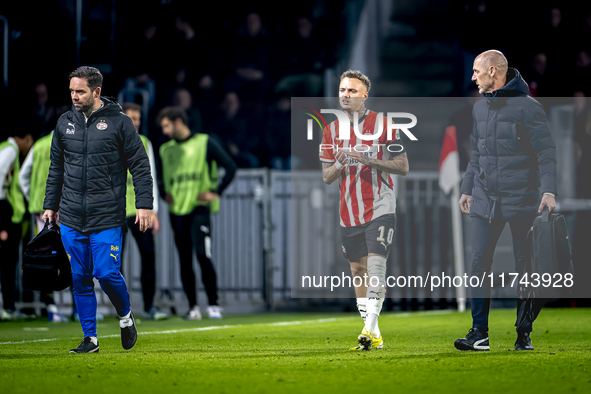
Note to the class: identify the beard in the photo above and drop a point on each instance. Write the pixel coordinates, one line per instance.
(86, 106)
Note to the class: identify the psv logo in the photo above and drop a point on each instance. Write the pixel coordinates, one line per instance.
(101, 125)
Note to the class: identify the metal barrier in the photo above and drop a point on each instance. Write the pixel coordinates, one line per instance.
(252, 241)
(263, 212)
(238, 252)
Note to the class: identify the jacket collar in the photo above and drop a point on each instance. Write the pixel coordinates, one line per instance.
(515, 85)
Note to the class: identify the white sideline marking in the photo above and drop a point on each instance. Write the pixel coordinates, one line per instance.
(36, 340)
(209, 328)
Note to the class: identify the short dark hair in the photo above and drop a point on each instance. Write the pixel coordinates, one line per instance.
(131, 107)
(23, 129)
(93, 76)
(173, 113)
(356, 74)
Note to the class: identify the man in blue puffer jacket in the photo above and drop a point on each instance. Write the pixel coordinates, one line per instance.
(510, 179)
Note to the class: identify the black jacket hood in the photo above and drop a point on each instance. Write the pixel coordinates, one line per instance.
(515, 86)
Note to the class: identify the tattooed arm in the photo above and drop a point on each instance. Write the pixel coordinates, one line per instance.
(398, 165)
(330, 171)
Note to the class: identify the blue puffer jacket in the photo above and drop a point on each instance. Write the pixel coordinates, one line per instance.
(507, 173)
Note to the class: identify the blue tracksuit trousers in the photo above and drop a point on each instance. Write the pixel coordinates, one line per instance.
(95, 255)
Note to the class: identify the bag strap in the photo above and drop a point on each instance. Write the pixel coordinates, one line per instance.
(545, 215)
(528, 248)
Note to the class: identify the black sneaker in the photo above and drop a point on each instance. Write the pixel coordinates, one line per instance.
(475, 340)
(128, 332)
(86, 346)
(523, 341)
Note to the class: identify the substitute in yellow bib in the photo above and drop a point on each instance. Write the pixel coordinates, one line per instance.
(145, 240)
(12, 210)
(189, 183)
(32, 179)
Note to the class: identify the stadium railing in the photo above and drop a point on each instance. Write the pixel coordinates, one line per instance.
(272, 225)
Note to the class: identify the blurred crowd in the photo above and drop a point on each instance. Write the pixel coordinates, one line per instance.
(235, 67)
(548, 42)
(233, 72)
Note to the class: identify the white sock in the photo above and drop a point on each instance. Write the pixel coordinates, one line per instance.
(376, 331)
(371, 322)
(126, 321)
(361, 306)
(94, 340)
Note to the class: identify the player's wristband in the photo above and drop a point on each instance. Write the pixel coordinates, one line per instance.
(338, 165)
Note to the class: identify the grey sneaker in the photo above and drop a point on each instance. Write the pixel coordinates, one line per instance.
(214, 312)
(156, 314)
(194, 314)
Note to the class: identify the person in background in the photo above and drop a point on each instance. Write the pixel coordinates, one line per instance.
(12, 210)
(189, 182)
(32, 178)
(145, 240)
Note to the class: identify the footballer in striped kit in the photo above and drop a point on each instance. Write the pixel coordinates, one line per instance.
(365, 169)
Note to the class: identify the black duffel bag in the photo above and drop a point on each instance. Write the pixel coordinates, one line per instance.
(547, 254)
(46, 265)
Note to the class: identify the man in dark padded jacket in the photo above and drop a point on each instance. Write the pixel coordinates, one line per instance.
(510, 178)
(93, 146)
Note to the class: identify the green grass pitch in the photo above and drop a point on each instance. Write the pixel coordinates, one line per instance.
(300, 353)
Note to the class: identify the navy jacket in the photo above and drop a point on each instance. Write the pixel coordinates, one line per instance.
(87, 179)
(514, 155)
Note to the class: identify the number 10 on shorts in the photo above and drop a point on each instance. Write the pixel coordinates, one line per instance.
(382, 230)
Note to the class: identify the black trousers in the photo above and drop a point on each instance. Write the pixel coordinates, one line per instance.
(193, 231)
(485, 236)
(9, 255)
(145, 243)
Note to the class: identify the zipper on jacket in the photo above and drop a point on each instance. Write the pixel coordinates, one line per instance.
(85, 158)
(497, 154)
(485, 147)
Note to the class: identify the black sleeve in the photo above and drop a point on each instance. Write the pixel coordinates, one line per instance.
(540, 136)
(55, 178)
(473, 166)
(216, 153)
